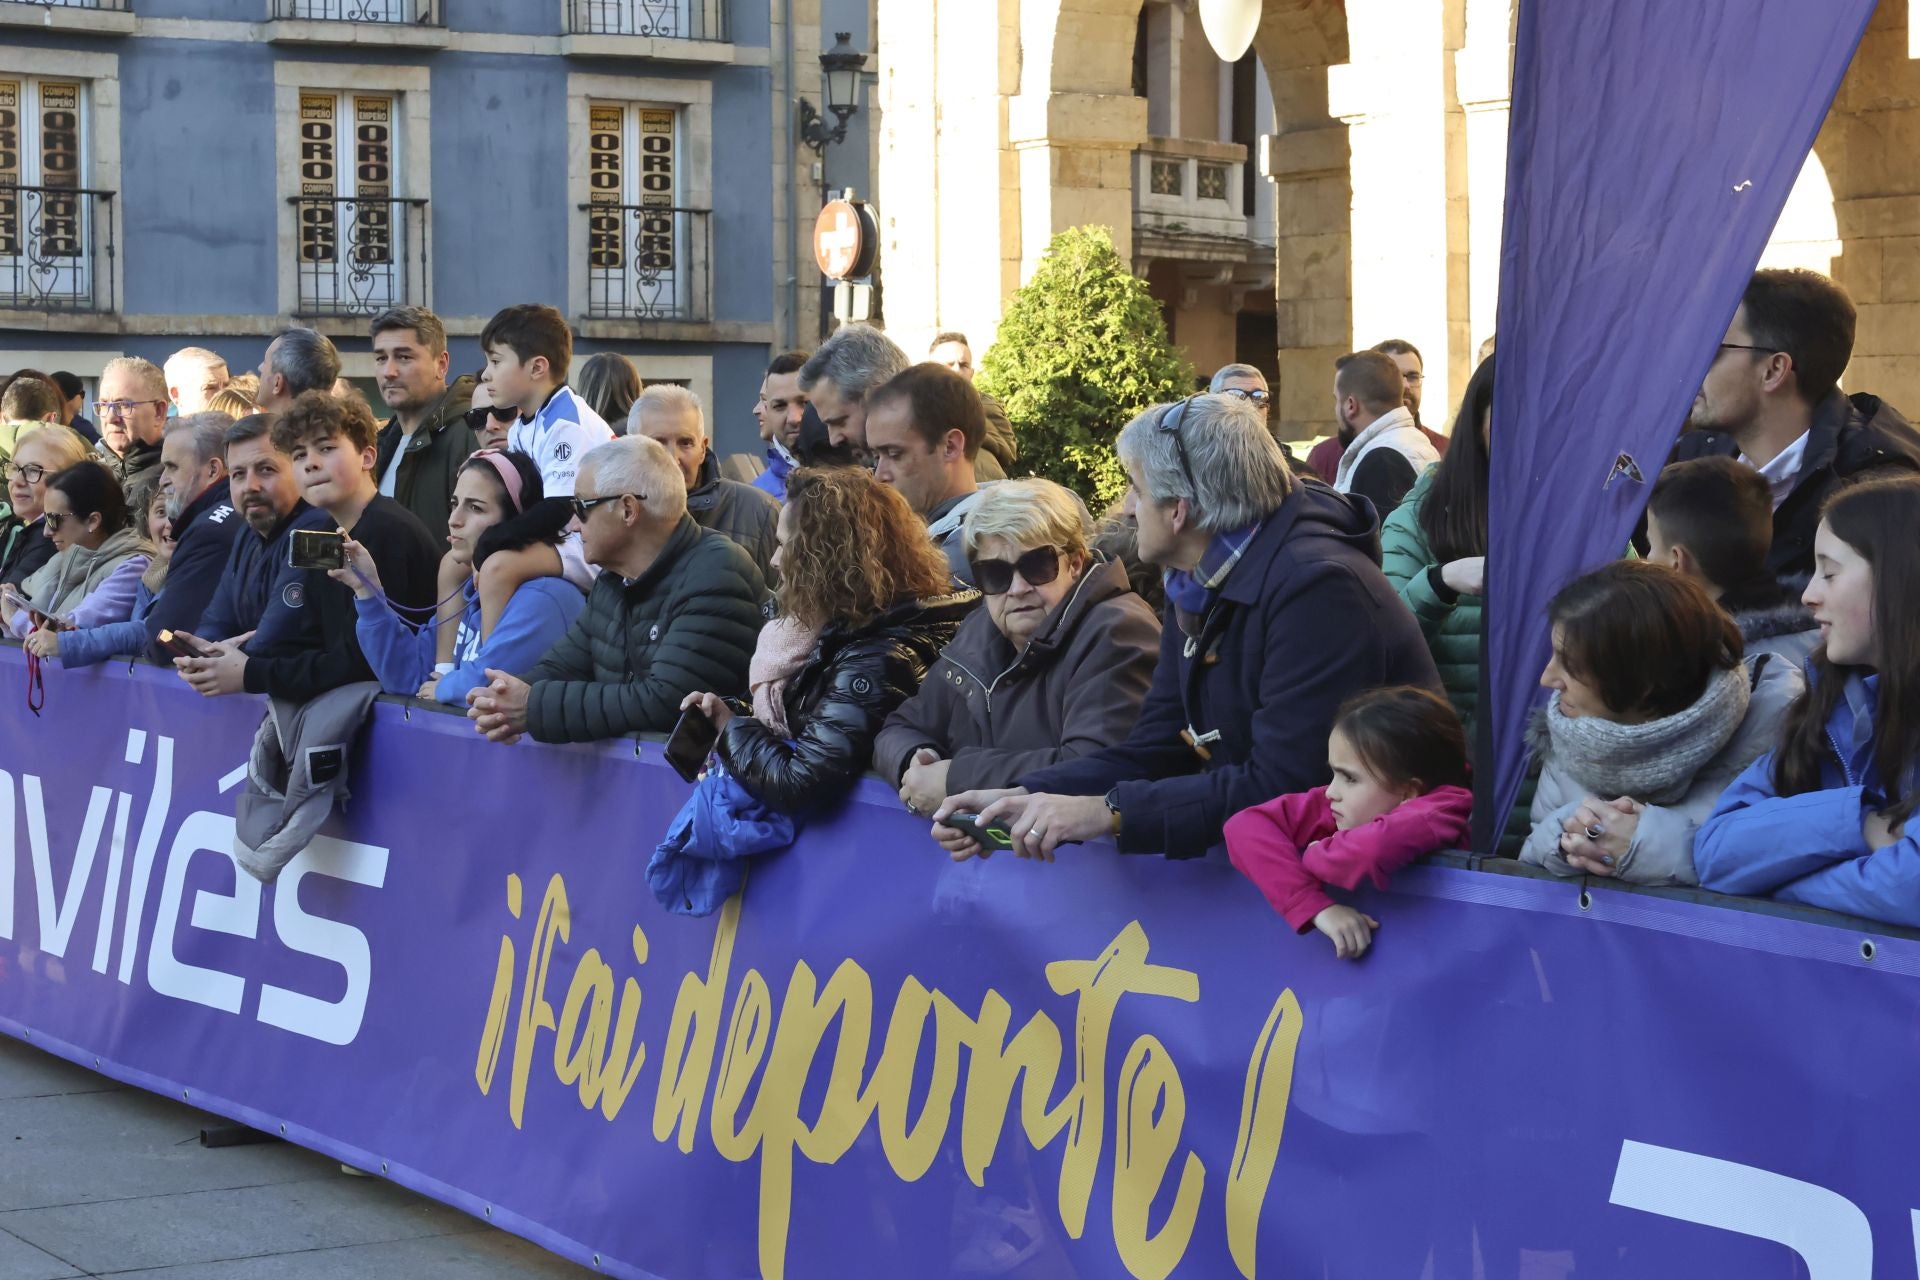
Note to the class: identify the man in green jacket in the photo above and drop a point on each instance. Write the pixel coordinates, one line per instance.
(676, 609)
(422, 445)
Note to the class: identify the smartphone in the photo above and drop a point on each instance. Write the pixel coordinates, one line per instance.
(317, 549)
(993, 839)
(182, 645)
(691, 742)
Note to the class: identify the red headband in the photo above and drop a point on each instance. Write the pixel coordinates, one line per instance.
(509, 474)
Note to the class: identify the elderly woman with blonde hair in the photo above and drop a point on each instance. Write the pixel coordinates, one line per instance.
(1054, 667)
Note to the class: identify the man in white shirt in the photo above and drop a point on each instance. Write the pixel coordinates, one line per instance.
(1388, 451)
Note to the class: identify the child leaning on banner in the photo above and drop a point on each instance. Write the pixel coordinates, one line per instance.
(1399, 791)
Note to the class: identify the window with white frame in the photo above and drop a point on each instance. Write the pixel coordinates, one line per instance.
(358, 239)
(643, 244)
(51, 226)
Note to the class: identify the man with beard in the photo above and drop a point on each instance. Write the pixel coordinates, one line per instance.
(193, 481)
(259, 591)
(1772, 398)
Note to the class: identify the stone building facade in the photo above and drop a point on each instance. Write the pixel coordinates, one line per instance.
(1381, 150)
(206, 172)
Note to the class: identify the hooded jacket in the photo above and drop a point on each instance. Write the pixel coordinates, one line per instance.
(1305, 620)
(201, 550)
(431, 464)
(141, 462)
(686, 625)
(1291, 848)
(742, 512)
(1662, 851)
(65, 581)
(1850, 437)
(1452, 627)
(1772, 620)
(837, 702)
(1811, 848)
(780, 465)
(995, 714)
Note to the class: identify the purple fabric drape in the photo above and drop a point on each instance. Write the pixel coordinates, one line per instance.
(1652, 148)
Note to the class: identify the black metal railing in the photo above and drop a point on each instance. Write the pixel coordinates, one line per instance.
(357, 256)
(668, 19)
(56, 248)
(111, 6)
(648, 262)
(404, 13)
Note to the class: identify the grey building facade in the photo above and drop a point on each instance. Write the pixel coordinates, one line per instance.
(206, 172)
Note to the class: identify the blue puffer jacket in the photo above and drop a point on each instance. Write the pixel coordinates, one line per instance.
(1810, 848)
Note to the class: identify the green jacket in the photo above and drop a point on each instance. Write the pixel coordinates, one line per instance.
(431, 464)
(1452, 628)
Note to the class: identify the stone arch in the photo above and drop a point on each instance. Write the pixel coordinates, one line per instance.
(1855, 213)
(1075, 125)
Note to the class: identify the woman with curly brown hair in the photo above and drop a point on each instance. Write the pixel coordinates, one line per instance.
(866, 604)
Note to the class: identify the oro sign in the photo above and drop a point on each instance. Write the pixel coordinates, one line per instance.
(846, 238)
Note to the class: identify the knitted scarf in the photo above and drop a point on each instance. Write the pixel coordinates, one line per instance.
(783, 649)
(1653, 762)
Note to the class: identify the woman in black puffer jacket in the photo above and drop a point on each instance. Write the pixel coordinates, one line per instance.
(866, 605)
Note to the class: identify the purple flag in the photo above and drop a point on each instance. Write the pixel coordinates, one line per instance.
(1653, 146)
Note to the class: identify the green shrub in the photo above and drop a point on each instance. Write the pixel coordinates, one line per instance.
(1081, 350)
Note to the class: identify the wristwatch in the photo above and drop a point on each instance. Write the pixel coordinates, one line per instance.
(1113, 809)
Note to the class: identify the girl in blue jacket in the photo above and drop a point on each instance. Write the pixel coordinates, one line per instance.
(1824, 819)
(497, 506)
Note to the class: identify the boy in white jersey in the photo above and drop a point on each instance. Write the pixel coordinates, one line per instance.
(529, 348)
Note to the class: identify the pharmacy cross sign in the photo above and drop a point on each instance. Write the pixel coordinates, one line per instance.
(842, 240)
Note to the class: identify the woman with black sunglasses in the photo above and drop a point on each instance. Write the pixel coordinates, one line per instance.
(1053, 668)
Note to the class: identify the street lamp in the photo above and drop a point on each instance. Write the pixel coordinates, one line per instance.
(841, 66)
(1230, 26)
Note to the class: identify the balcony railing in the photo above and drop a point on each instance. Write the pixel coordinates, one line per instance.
(665, 19)
(424, 13)
(355, 257)
(56, 248)
(648, 262)
(108, 6)
(1186, 186)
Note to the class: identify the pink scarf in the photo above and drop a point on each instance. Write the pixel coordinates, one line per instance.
(784, 648)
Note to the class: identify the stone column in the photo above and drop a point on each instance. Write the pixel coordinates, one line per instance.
(1409, 252)
(1483, 77)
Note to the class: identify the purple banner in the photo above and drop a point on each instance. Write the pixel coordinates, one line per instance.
(1652, 148)
(884, 1064)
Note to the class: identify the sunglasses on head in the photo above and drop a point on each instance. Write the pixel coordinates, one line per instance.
(1036, 568)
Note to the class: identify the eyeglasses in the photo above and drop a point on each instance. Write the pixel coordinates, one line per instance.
(582, 507)
(1170, 423)
(1037, 568)
(1242, 393)
(56, 518)
(1748, 346)
(31, 472)
(1413, 379)
(110, 408)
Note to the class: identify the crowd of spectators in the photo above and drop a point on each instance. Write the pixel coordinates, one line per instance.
(1250, 657)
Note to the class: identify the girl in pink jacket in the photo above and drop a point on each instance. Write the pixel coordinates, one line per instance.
(1399, 791)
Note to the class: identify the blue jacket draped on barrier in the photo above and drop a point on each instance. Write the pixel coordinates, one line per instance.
(881, 1063)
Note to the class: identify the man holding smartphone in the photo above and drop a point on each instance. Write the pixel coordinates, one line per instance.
(331, 446)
